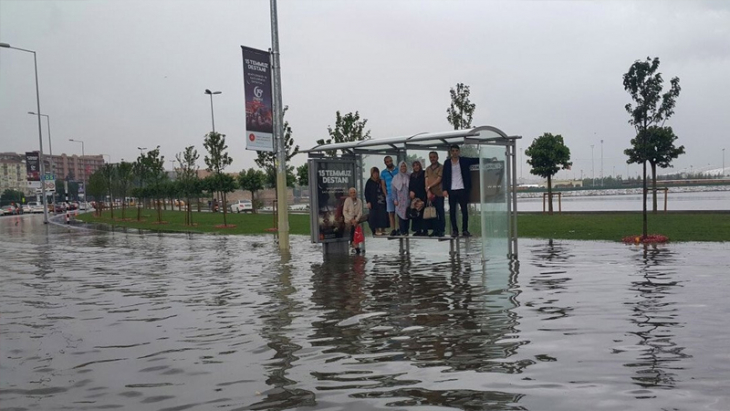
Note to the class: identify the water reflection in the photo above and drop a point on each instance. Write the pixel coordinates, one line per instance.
(655, 316)
(277, 317)
(440, 318)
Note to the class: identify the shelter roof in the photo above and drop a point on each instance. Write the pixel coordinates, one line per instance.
(421, 141)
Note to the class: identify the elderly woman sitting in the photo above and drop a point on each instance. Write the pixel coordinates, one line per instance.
(352, 211)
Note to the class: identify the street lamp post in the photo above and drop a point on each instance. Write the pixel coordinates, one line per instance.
(601, 163)
(723, 163)
(593, 169)
(212, 116)
(50, 154)
(83, 168)
(283, 210)
(40, 132)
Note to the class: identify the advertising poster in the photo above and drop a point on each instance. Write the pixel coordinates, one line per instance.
(489, 180)
(330, 184)
(259, 103)
(33, 169)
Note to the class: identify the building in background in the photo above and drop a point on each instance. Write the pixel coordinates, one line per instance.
(12, 172)
(75, 167)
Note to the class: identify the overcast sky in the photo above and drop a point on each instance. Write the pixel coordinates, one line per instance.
(123, 74)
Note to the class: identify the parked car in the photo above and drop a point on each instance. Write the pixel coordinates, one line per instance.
(245, 206)
(34, 207)
(8, 210)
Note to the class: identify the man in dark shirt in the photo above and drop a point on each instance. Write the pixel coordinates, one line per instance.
(457, 185)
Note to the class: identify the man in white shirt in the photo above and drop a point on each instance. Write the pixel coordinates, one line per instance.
(457, 185)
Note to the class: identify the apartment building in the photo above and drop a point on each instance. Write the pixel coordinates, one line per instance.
(12, 172)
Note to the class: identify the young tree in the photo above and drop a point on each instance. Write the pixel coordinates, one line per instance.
(251, 180)
(348, 128)
(139, 169)
(652, 108)
(548, 155)
(153, 165)
(460, 114)
(187, 175)
(124, 181)
(97, 188)
(109, 171)
(303, 175)
(217, 160)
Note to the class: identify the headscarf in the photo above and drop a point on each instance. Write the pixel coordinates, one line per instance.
(401, 179)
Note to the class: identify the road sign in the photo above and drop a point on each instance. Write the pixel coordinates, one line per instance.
(49, 177)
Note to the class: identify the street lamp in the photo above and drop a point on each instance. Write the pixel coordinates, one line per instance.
(83, 169)
(50, 153)
(723, 163)
(212, 117)
(601, 163)
(40, 132)
(593, 169)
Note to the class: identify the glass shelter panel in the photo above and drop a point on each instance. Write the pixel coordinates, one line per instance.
(494, 202)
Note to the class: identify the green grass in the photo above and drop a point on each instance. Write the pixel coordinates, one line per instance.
(204, 222)
(570, 226)
(614, 226)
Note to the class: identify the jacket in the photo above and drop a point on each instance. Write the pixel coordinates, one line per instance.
(464, 164)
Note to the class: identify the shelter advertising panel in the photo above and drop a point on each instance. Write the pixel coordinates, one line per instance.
(329, 182)
(259, 103)
(33, 169)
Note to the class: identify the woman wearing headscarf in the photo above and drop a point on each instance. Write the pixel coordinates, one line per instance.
(375, 194)
(401, 198)
(417, 188)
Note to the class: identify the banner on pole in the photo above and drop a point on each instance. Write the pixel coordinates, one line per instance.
(259, 102)
(33, 169)
(329, 183)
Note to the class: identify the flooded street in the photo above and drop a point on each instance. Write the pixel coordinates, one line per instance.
(113, 320)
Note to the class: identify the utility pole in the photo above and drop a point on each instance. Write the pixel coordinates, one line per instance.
(283, 209)
(601, 163)
(593, 169)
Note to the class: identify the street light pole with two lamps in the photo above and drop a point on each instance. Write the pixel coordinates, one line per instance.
(40, 132)
(50, 154)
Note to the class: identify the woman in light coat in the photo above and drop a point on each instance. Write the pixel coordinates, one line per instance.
(401, 197)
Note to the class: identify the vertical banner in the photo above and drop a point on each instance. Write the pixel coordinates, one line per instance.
(329, 183)
(33, 169)
(259, 103)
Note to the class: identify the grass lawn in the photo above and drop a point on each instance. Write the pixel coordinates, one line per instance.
(204, 222)
(574, 226)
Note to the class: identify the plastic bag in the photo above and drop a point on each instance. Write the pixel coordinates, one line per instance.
(359, 237)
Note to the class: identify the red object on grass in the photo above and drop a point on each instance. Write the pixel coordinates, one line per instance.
(649, 239)
(359, 237)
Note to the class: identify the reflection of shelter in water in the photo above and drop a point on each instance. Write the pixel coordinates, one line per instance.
(440, 316)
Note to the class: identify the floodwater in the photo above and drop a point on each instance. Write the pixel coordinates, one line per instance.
(678, 199)
(101, 320)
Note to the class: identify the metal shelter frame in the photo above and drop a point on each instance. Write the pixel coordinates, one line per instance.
(399, 146)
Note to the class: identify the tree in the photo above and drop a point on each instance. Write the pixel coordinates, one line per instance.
(10, 195)
(125, 177)
(652, 108)
(270, 177)
(153, 169)
(348, 128)
(460, 113)
(187, 175)
(267, 159)
(97, 188)
(251, 180)
(109, 173)
(547, 155)
(303, 175)
(217, 160)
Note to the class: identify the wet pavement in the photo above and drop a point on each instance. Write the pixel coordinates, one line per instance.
(122, 320)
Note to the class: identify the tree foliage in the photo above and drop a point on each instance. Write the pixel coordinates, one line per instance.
(652, 107)
(251, 180)
(303, 175)
(348, 128)
(187, 176)
(548, 154)
(152, 167)
(461, 110)
(216, 161)
(124, 181)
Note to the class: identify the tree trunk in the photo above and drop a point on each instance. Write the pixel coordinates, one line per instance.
(253, 202)
(653, 185)
(550, 195)
(644, 229)
(198, 201)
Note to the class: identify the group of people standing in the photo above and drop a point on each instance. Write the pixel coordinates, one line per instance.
(401, 195)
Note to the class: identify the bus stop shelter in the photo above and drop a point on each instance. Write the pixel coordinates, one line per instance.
(335, 167)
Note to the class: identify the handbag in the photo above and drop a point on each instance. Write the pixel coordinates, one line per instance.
(359, 236)
(429, 212)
